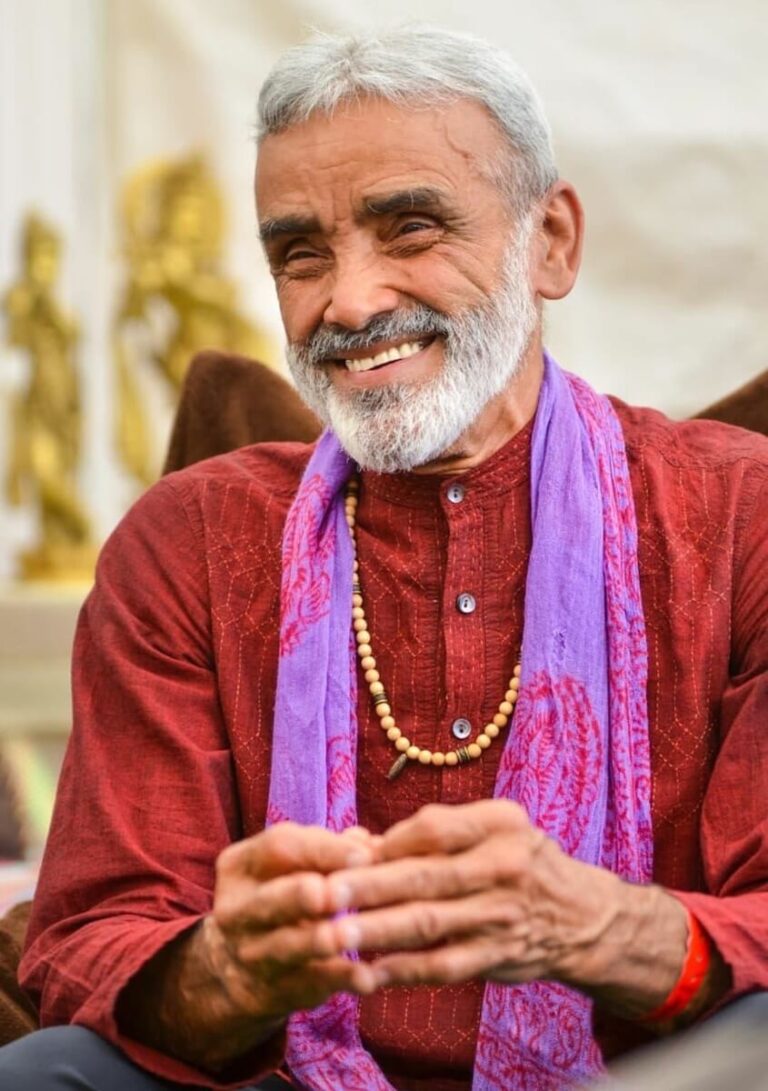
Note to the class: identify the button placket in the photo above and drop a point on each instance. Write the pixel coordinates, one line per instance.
(464, 636)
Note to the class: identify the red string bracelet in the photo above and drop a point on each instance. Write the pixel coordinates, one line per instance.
(698, 958)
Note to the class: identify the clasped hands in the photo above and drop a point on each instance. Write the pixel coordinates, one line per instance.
(451, 894)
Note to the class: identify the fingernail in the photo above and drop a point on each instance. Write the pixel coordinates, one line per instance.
(350, 936)
(341, 895)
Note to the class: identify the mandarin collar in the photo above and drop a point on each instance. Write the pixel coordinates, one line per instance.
(506, 468)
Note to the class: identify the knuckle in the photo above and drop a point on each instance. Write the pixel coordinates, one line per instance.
(514, 812)
(247, 950)
(309, 894)
(504, 912)
(454, 875)
(226, 913)
(229, 860)
(289, 945)
(506, 868)
(428, 923)
(419, 880)
(433, 822)
(279, 843)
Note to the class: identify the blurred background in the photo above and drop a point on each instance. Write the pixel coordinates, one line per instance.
(127, 241)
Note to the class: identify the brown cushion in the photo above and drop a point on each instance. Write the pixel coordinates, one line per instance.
(230, 401)
(747, 407)
(18, 1015)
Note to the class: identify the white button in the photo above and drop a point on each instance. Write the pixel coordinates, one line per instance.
(455, 493)
(461, 729)
(465, 603)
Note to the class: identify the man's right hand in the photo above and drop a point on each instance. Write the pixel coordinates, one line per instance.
(221, 989)
(262, 937)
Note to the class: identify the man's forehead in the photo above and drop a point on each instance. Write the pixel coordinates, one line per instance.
(374, 152)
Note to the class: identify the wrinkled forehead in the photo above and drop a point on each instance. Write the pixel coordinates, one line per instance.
(370, 146)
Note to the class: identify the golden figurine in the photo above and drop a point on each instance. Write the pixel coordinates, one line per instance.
(177, 300)
(46, 417)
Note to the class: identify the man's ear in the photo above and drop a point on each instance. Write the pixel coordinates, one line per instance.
(556, 249)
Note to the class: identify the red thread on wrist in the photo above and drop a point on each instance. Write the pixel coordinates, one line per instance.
(698, 958)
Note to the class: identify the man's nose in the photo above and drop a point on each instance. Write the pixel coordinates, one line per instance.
(359, 292)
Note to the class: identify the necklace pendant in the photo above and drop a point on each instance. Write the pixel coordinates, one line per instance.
(398, 767)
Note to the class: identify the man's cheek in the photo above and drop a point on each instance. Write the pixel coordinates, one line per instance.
(301, 308)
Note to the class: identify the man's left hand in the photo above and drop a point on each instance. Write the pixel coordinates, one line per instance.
(475, 891)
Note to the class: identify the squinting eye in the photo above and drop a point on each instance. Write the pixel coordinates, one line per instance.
(414, 225)
(298, 255)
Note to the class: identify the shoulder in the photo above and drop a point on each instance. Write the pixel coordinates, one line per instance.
(692, 445)
(242, 494)
(698, 483)
(706, 463)
(261, 479)
(269, 468)
(223, 517)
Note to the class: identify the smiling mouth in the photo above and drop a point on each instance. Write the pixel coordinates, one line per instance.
(386, 356)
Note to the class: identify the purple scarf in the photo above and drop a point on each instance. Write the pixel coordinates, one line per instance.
(577, 753)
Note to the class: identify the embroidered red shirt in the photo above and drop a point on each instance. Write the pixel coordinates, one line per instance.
(174, 686)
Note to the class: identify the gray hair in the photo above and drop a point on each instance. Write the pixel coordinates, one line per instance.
(416, 66)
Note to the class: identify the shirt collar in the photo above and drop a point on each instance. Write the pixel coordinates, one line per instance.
(507, 467)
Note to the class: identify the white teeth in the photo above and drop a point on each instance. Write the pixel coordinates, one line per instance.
(399, 352)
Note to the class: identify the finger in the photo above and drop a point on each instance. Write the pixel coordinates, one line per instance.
(287, 847)
(450, 965)
(291, 945)
(441, 828)
(246, 905)
(325, 977)
(417, 925)
(497, 862)
(290, 989)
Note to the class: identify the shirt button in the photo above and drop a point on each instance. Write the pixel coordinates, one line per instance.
(465, 603)
(455, 493)
(461, 729)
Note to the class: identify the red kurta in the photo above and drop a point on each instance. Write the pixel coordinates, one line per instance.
(174, 687)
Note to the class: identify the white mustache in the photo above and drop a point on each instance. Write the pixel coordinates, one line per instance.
(334, 342)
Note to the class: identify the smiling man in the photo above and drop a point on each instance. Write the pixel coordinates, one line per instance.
(431, 756)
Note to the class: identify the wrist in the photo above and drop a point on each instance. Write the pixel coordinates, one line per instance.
(637, 950)
(244, 995)
(691, 980)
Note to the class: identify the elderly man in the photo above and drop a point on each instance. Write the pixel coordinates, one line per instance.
(433, 755)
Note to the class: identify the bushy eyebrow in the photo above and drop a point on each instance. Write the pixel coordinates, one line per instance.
(282, 226)
(419, 199)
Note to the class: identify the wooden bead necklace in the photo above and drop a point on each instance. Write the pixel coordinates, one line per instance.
(408, 751)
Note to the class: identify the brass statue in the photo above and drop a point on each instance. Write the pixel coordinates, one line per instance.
(46, 417)
(177, 300)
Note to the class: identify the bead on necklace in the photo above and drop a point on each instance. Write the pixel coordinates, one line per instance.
(407, 750)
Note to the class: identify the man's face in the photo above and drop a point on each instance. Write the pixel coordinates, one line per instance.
(393, 251)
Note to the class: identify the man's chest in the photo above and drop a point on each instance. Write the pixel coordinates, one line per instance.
(444, 584)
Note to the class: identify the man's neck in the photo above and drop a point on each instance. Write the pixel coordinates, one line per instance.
(503, 417)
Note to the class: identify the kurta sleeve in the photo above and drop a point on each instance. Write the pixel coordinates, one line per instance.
(147, 797)
(734, 831)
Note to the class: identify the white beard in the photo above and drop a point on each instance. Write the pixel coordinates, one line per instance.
(407, 424)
